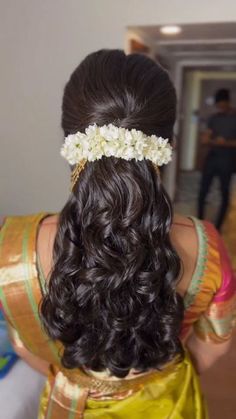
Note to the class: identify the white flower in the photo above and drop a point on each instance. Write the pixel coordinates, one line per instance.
(129, 138)
(110, 140)
(91, 131)
(128, 153)
(111, 148)
(109, 132)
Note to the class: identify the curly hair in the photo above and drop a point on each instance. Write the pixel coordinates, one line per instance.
(111, 298)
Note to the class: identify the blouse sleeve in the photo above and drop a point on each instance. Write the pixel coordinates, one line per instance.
(12, 332)
(217, 322)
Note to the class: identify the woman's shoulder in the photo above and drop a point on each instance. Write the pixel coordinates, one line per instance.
(182, 221)
(185, 241)
(194, 240)
(184, 231)
(50, 220)
(192, 227)
(45, 242)
(192, 236)
(199, 246)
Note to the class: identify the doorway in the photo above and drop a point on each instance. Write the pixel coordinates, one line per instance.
(207, 52)
(197, 106)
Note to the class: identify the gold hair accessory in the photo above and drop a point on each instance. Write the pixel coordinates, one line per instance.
(157, 169)
(76, 172)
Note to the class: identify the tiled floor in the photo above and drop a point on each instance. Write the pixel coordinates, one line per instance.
(219, 383)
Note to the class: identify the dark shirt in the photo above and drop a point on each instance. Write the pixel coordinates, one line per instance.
(223, 125)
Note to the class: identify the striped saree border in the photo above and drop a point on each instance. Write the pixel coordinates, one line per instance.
(211, 300)
(67, 400)
(207, 276)
(33, 287)
(19, 285)
(218, 321)
(3, 298)
(198, 275)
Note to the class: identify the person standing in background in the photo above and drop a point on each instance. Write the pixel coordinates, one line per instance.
(220, 161)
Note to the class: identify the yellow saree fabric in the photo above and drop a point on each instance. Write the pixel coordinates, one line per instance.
(71, 394)
(174, 394)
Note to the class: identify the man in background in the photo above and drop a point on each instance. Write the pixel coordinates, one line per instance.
(220, 161)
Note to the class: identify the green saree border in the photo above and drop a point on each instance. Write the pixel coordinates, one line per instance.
(197, 278)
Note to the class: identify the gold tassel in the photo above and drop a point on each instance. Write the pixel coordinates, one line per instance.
(76, 172)
(157, 169)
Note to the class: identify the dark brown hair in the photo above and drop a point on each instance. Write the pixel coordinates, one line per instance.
(112, 297)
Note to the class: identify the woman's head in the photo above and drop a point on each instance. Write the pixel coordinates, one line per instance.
(130, 91)
(112, 297)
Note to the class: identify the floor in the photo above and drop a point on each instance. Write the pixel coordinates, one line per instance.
(19, 392)
(219, 383)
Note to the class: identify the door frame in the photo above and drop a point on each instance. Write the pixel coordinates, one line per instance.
(178, 78)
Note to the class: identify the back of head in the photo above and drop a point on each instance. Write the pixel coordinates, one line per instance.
(112, 297)
(222, 100)
(129, 91)
(222, 95)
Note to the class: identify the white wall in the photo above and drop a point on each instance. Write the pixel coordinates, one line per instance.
(41, 42)
(190, 122)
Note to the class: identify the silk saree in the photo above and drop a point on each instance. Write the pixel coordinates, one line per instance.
(171, 393)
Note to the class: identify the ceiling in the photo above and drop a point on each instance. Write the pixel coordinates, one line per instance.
(209, 31)
(212, 41)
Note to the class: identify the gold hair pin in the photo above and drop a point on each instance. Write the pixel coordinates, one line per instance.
(76, 172)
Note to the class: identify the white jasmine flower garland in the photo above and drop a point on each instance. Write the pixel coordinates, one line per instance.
(110, 140)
